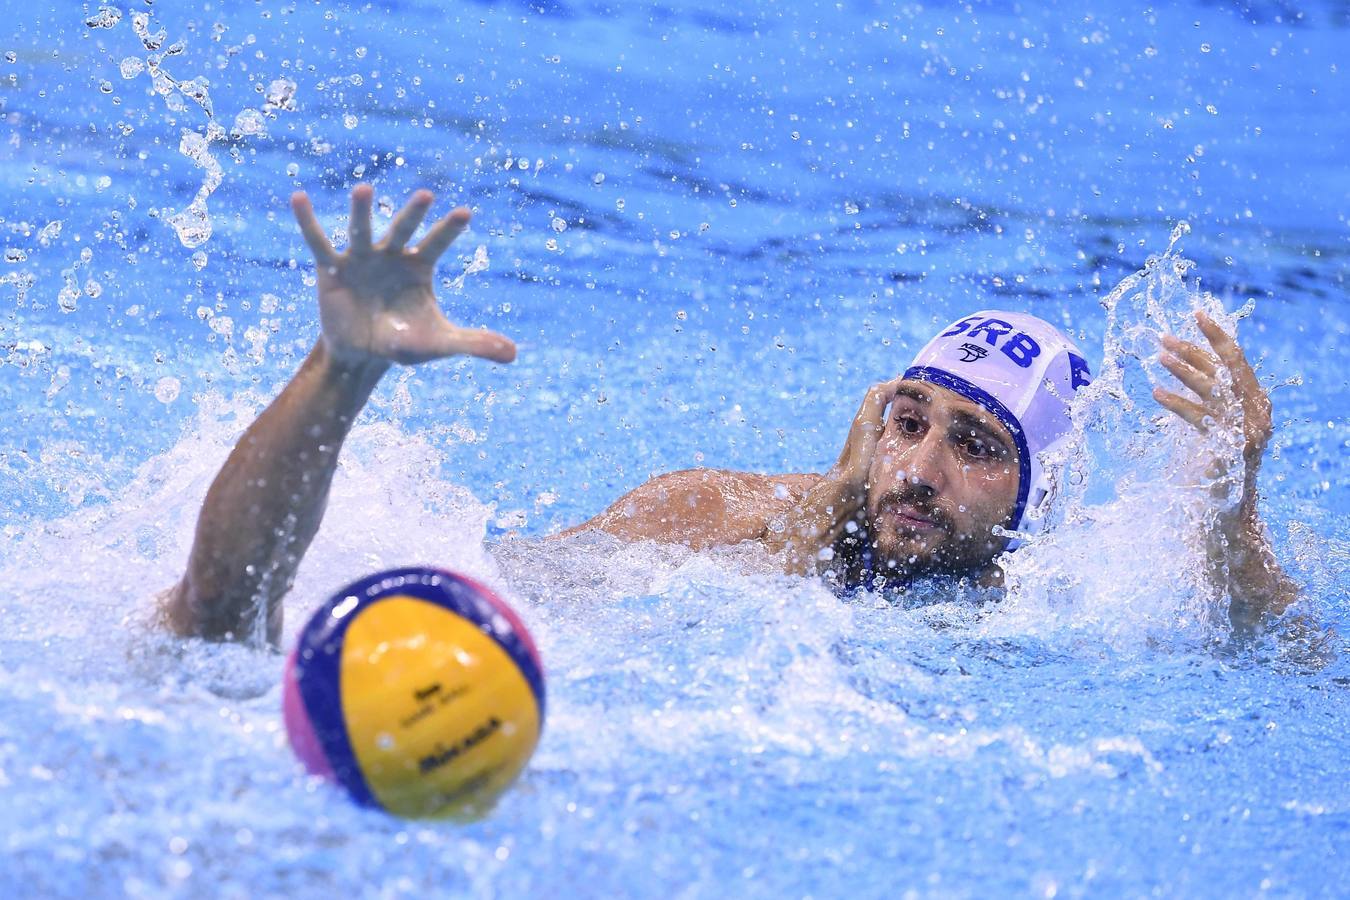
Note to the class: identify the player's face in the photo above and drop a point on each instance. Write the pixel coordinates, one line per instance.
(944, 475)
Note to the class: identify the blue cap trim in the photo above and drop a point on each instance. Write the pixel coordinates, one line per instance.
(945, 379)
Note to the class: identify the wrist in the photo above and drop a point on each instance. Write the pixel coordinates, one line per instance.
(348, 367)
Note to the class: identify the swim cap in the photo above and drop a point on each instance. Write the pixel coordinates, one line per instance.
(1025, 372)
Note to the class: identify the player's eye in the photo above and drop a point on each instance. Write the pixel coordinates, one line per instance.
(909, 424)
(978, 448)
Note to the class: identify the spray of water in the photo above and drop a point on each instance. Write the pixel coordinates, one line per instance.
(1136, 493)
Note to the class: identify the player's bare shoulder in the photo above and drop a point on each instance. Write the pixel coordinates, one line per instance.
(701, 507)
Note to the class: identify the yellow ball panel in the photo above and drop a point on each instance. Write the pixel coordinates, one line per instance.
(440, 718)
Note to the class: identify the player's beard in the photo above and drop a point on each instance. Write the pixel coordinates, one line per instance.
(886, 546)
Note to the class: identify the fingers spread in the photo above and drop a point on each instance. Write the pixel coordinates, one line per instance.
(443, 234)
(312, 231)
(358, 229)
(1192, 412)
(407, 220)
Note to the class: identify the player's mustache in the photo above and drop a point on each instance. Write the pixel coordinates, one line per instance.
(917, 498)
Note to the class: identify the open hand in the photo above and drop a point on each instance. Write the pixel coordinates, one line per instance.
(1245, 408)
(376, 300)
(840, 497)
(1242, 562)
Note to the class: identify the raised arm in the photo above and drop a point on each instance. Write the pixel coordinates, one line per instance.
(377, 307)
(1242, 561)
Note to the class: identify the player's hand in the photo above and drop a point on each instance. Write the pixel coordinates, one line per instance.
(1236, 402)
(823, 515)
(376, 300)
(1242, 562)
(1242, 405)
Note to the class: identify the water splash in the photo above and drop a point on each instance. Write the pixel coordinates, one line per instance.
(106, 17)
(1135, 499)
(193, 223)
(68, 298)
(477, 263)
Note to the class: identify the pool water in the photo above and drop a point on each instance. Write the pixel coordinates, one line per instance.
(709, 230)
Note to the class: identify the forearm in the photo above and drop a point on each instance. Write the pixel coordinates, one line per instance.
(1244, 562)
(266, 503)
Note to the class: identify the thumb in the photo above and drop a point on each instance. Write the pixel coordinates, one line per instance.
(478, 342)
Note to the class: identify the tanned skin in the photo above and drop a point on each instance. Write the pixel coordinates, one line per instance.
(924, 476)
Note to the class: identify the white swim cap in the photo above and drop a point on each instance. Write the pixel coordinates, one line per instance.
(1025, 372)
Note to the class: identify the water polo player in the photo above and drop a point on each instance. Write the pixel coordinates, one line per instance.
(939, 466)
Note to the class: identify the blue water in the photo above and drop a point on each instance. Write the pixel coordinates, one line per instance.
(708, 230)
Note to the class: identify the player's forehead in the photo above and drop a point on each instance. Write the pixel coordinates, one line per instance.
(943, 403)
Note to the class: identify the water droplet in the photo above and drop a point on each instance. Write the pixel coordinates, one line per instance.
(131, 67)
(106, 17)
(598, 178)
(15, 255)
(193, 223)
(292, 169)
(195, 89)
(60, 378)
(249, 121)
(559, 224)
(280, 94)
(199, 260)
(140, 23)
(350, 121)
(1205, 48)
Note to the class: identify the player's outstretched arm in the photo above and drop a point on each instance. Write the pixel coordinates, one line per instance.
(1242, 560)
(377, 307)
